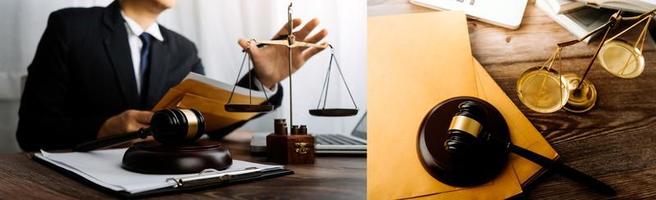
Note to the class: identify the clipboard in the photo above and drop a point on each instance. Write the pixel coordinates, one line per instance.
(204, 180)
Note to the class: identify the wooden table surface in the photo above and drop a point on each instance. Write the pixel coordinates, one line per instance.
(615, 142)
(328, 178)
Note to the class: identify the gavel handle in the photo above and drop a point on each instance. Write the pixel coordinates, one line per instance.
(563, 169)
(112, 140)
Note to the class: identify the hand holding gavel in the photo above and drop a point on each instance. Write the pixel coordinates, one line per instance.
(125, 122)
(168, 126)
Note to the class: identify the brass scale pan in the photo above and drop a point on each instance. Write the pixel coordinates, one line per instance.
(619, 57)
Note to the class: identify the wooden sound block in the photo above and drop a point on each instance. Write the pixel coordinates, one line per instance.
(488, 159)
(151, 157)
(290, 149)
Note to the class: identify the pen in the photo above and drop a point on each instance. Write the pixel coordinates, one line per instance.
(211, 175)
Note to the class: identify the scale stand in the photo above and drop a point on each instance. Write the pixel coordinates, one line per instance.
(295, 146)
(290, 42)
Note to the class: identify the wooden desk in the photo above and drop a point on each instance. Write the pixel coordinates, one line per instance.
(614, 142)
(328, 178)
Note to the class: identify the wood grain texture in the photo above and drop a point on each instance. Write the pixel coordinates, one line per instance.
(615, 142)
(328, 178)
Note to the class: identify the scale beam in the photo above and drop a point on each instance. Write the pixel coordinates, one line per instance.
(294, 44)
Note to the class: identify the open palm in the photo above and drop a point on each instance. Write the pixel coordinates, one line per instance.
(272, 61)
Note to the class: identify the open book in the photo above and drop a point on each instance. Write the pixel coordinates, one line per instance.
(209, 97)
(638, 6)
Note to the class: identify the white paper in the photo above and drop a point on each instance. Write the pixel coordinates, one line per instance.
(103, 167)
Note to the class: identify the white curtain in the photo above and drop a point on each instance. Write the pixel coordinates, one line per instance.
(215, 27)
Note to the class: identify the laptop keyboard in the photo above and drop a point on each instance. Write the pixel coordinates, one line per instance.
(336, 139)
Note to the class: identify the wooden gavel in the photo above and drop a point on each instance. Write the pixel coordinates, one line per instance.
(168, 126)
(466, 132)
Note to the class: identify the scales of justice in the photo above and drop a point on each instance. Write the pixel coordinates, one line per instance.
(176, 148)
(544, 89)
(291, 144)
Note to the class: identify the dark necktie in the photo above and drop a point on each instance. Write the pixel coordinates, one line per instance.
(144, 68)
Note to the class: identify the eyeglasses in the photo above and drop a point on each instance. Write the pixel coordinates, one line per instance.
(545, 90)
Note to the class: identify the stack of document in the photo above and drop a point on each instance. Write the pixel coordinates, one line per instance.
(410, 72)
(103, 168)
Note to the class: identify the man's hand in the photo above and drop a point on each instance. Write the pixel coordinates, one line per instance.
(272, 61)
(128, 121)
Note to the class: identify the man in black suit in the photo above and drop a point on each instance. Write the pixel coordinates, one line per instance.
(97, 71)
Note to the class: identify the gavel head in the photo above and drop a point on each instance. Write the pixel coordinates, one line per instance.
(465, 129)
(453, 142)
(177, 126)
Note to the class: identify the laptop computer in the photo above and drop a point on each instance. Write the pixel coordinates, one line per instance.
(504, 13)
(328, 143)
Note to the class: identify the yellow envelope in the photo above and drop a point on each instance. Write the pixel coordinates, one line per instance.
(415, 62)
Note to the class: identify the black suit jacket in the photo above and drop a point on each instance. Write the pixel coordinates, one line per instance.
(82, 74)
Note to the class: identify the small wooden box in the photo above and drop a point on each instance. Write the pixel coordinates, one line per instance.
(297, 148)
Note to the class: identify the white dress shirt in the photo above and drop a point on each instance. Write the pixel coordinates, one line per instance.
(134, 30)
